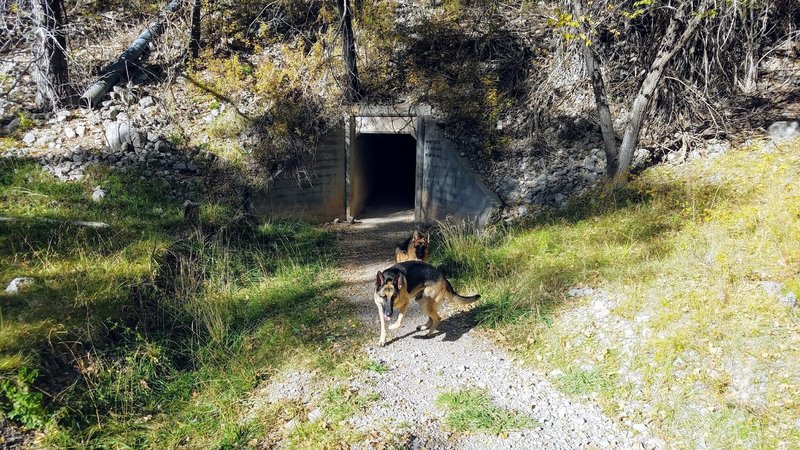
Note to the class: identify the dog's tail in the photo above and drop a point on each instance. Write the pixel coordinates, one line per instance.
(458, 297)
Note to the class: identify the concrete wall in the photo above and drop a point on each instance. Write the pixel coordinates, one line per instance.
(319, 196)
(448, 186)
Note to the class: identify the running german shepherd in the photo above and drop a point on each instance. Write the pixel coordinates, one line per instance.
(414, 248)
(397, 285)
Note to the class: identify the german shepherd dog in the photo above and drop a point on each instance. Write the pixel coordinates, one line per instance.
(415, 248)
(397, 285)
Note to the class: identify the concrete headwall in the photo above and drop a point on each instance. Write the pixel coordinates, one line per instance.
(448, 186)
(319, 195)
(335, 183)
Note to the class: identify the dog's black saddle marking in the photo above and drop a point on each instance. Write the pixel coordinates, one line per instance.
(417, 274)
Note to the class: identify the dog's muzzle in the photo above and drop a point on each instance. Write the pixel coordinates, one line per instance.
(388, 309)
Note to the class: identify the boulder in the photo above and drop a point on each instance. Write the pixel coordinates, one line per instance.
(12, 126)
(120, 133)
(784, 129)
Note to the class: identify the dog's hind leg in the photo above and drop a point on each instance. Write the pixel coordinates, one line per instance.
(426, 326)
(423, 303)
(429, 306)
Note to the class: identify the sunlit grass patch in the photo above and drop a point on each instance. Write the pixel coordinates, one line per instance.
(471, 410)
(681, 331)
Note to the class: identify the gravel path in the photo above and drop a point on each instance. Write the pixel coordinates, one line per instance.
(455, 358)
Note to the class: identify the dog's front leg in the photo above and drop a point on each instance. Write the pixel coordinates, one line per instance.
(382, 340)
(399, 322)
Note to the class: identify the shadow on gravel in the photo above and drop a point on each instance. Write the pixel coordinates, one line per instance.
(456, 325)
(453, 327)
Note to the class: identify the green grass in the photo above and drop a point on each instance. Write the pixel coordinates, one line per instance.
(375, 366)
(583, 381)
(150, 333)
(692, 344)
(471, 410)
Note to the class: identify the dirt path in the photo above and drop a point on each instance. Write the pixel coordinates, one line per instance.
(455, 358)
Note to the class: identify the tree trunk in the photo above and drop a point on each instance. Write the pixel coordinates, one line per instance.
(353, 88)
(50, 66)
(194, 41)
(600, 97)
(670, 44)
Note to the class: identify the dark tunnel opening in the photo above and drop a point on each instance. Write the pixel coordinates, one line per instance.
(389, 172)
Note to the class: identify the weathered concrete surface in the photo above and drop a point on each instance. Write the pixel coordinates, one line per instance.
(386, 125)
(449, 188)
(319, 194)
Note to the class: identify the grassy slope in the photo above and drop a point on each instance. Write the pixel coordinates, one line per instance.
(680, 334)
(147, 333)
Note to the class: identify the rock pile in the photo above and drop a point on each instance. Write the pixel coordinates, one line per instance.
(126, 134)
(548, 182)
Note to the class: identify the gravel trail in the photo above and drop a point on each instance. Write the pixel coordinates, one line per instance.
(454, 358)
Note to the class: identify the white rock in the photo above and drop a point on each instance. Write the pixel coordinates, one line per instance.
(120, 133)
(69, 133)
(98, 194)
(784, 129)
(314, 415)
(29, 138)
(18, 284)
(146, 102)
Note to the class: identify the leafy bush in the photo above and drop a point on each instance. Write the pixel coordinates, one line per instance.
(19, 400)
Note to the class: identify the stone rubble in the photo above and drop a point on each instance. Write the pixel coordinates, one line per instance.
(126, 134)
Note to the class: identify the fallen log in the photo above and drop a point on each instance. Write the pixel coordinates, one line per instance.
(114, 72)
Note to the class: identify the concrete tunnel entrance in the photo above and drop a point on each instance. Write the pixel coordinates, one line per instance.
(387, 172)
(382, 161)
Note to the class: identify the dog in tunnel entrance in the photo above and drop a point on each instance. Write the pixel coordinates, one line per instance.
(415, 248)
(396, 286)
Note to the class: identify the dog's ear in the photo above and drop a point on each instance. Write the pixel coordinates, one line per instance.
(428, 237)
(399, 282)
(415, 236)
(379, 280)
